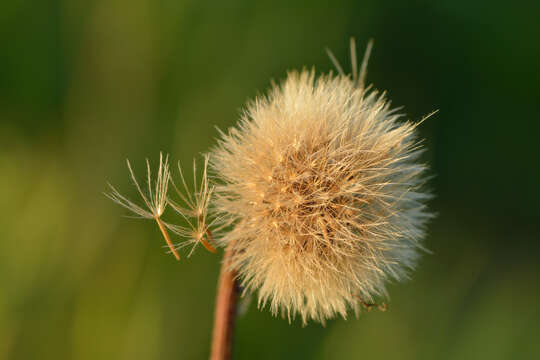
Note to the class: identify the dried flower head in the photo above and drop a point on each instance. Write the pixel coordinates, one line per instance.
(155, 199)
(322, 188)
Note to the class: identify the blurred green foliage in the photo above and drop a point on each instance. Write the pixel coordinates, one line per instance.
(84, 85)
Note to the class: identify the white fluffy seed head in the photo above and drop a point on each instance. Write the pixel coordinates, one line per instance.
(322, 188)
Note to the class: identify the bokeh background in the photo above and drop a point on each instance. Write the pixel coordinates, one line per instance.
(86, 84)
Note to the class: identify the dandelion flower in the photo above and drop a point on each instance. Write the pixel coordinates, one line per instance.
(322, 187)
(155, 199)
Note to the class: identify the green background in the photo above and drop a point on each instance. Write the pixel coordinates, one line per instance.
(85, 85)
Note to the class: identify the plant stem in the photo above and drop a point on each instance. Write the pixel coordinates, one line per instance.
(167, 238)
(225, 312)
(206, 244)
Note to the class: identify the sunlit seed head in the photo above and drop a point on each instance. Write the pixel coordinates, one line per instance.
(344, 170)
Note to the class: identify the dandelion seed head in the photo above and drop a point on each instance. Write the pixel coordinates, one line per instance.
(323, 190)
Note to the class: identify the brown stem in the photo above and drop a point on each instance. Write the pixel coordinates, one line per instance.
(225, 312)
(206, 244)
(167, 238)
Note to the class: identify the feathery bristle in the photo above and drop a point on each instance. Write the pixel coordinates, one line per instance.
(156, 197)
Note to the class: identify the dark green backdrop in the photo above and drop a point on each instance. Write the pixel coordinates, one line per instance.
(83, 85)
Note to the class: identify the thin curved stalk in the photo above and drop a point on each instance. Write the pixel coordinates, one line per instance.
(225, 313)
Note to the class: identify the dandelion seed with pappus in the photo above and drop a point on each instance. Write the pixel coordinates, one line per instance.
(155, 199)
